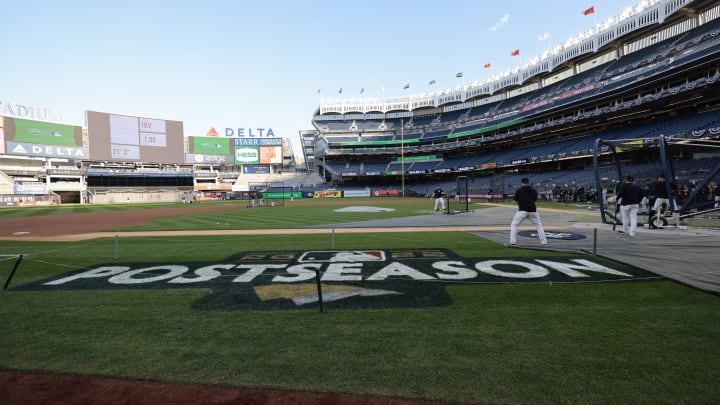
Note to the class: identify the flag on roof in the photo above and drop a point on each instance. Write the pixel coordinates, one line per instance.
(318, 91)
(544, 37)
(340, 91)
(459, 74)
(487, 65)
(431, 82)
(589, 11)
(362, 90)
(382, 89)
(212, 132)
(515, 53)
(407, 86)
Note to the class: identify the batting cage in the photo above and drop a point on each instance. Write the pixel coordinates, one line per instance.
(269, 194)
(680, 178)
(460, 202)
(469, 190)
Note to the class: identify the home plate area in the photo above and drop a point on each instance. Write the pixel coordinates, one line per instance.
(554, 235)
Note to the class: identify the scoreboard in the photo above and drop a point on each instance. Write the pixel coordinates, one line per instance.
(128, 138)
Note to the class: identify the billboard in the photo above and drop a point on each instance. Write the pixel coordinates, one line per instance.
(255, 151)
(40, 138)
(210, 149)
(270, 155)
(256, 169)
(210, 145)
(129, 138)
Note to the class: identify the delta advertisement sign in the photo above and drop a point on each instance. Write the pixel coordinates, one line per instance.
(40, 138)
(270, 280)
(243, 132)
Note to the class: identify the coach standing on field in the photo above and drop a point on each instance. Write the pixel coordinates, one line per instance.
(630, 196)
(526, 196)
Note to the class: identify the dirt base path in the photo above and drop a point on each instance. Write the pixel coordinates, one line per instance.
(71, 224)
(31, 388)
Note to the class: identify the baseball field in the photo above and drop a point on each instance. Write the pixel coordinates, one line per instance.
(220, 303)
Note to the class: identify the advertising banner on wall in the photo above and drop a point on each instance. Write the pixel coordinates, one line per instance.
(30, 189)
(328, 194)
(256, 169)
(247, 155)
(209, 159)
(270, 155)
(6, 187)
(39, 138)
(252, 151)
(386, 193)
(356, 193)
(213, 187)
(283, 195)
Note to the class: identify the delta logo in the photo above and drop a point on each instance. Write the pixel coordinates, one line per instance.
(285, 280)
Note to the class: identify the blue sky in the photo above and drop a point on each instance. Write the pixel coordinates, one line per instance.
(259, 64)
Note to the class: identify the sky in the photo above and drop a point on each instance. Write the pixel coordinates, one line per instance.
(264, 64)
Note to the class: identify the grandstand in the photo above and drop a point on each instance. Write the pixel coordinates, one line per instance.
(650, 72)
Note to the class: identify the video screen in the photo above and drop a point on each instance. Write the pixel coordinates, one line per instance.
(210, 145)
(24, 137)
(128, 138)
(41, 132)
(270, 155)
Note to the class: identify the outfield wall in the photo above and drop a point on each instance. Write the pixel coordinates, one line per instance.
(137, 195)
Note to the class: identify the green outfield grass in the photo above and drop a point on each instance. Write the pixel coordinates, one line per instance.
(616, 342)
(289, 216)
(15, 212)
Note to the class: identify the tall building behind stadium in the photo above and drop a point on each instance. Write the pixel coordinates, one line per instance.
(649, 73)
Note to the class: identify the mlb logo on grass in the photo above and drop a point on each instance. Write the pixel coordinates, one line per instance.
(282, 280)
(347, 256)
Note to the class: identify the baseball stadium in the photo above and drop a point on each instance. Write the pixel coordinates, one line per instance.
(143, 265)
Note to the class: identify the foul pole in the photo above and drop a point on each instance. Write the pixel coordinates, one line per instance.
(402, 157)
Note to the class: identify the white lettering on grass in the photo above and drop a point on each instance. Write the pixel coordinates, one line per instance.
(531, 270)
(255, 270)
(94, 273)
(298, 273)
(343, 272)
(133, 276)
(206, 273)
(573, 270)
(396, 269)
(339, 272)
(457, 270)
